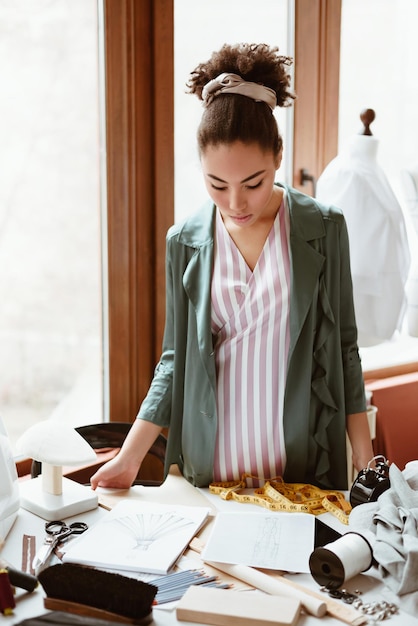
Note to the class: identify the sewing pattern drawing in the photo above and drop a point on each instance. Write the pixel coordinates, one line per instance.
(147, 528)
(267, 543)
(139, 536)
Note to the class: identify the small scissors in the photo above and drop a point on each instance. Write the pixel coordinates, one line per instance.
(57, 532)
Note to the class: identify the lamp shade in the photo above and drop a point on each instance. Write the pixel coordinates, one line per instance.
(55, 443)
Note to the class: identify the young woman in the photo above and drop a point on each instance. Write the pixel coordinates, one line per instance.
(260, 371)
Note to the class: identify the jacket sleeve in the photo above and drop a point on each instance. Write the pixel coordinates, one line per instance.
(156, 406)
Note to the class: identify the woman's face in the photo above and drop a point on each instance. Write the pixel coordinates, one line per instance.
(240, 180)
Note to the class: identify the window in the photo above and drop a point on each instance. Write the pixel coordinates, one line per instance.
(378, 51)
(201, 27)
(50, 281)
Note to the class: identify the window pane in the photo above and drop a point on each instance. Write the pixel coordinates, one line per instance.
(50, 316)
(379, 49)
(200, 27)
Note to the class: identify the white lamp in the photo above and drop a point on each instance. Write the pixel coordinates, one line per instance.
(50, 495)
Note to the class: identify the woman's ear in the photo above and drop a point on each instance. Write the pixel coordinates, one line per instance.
(278, 159)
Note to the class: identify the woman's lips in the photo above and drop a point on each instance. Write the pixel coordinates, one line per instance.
(241, 219)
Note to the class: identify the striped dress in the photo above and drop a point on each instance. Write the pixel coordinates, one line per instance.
(250, 323)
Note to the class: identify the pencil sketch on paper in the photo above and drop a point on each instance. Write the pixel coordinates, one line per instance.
(281, 541)
(138, 536)
(267, 541)
(146, 528)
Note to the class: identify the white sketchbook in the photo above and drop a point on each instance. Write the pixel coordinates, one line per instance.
(272, 540)
(138, 536)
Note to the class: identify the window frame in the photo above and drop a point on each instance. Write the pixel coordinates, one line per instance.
(317, 75)
(139, 104)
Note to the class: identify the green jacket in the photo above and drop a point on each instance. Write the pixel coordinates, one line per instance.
(324, 377)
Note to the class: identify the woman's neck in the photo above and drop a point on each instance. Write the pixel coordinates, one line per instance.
(250, 241)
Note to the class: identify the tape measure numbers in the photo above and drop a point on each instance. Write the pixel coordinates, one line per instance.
(277, 495)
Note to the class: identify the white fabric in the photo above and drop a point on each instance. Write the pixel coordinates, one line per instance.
(379, 248)
(409, 181)
(9, 488)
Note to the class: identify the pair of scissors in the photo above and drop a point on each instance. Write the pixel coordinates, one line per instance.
(56, 532)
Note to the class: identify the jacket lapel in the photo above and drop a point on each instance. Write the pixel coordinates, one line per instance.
(306, 225)
(198, 236)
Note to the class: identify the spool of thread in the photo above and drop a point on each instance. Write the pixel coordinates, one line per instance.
(7, 601)
(337, 562)
(20, 579)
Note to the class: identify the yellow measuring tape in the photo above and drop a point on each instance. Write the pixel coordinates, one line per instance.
(277, 495)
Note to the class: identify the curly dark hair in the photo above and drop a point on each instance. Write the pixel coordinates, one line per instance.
(234, 117)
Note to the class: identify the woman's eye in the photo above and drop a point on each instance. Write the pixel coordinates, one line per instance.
(216, 188)
(254, 186)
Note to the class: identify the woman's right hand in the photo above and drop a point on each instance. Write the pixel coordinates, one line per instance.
(115, 474)
(121, 471)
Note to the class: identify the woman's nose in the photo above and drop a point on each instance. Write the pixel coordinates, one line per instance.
(237, 201)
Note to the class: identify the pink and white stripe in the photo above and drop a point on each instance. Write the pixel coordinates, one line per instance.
(250, 320)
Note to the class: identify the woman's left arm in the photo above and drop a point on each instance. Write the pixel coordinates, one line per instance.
(359, 434)
(357, 424)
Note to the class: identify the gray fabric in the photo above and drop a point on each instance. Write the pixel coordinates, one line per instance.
(390, 525)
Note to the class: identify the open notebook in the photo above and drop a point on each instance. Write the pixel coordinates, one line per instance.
(138, 536)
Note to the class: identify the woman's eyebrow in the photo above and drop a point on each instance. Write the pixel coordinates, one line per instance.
(243, 181)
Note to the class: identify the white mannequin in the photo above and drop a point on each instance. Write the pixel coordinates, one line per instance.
(379, 250)
(364, 147)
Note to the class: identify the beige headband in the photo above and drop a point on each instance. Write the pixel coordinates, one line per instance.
(232, 83)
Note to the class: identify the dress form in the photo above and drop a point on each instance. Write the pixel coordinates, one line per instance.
(379, 251)
(364, 147)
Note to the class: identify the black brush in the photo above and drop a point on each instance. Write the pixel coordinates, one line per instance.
(96, 593)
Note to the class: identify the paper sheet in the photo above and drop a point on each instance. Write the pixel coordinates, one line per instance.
(281, 541)
(138, 536)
